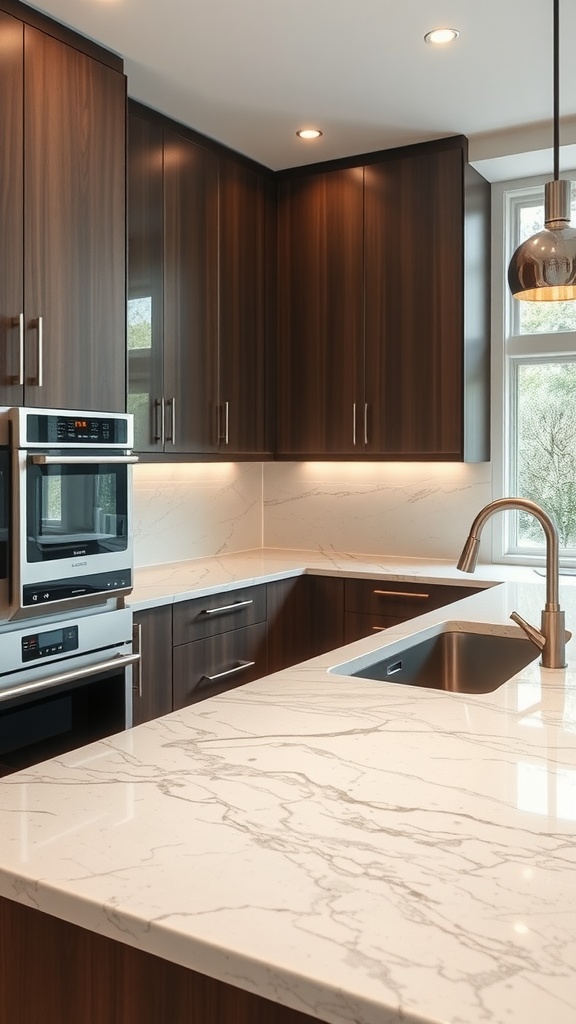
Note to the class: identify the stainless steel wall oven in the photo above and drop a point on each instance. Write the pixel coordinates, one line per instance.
(72, 506)
(64, 682)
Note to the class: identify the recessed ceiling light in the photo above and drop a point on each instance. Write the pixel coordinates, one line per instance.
(309, 133)
(441, 36)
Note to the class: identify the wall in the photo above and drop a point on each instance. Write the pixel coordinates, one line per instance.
(204, 509)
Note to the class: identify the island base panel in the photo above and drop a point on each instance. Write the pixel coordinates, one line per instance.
(53, 972)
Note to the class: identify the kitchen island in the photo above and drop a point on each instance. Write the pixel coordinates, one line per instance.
(342, 849)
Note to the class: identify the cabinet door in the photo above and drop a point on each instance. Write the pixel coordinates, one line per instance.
(74, 231)
(190, 295)
(11, 210)
(152, 695)
(245, 200)
(305, 618)
(414, 305)
(145, 282)
(207, 667)
(320, 314)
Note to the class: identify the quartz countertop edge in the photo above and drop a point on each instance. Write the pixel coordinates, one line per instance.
(364, 852)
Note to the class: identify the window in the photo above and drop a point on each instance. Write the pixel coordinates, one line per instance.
(534, 390)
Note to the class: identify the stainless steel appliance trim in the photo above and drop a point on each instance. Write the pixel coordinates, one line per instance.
(80, 460)
(120, 661)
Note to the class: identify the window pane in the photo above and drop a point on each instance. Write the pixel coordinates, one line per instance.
(541, 317)
(546, 448)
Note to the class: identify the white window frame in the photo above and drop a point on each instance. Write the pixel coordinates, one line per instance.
(506, 348)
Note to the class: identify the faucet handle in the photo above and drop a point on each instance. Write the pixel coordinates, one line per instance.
(532, 633)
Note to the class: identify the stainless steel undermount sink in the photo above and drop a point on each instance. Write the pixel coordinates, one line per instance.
(451, 656)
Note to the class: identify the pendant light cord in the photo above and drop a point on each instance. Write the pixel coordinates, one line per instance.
(556, 73)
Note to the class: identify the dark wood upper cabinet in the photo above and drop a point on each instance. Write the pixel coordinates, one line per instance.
(172, 290)
(383, 308)
(62, 182)
(320, 313)
(246, 208)
(416, 344)
(145, 281)
(190, 295)
(11, 209)
(198, 293)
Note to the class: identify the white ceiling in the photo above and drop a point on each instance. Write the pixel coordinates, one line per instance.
(249, 73)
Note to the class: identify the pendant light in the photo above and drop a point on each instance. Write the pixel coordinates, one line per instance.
(543, 268)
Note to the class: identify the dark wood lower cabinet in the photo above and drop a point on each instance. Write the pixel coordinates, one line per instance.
(152, 695)
(52, 972)
(305, 618)
(218, 663)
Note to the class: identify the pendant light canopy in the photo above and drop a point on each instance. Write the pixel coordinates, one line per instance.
(543, 268)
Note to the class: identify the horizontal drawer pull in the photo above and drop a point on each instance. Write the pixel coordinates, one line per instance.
(378, 629)
(400, 593)
(227, 607)
(229, 671)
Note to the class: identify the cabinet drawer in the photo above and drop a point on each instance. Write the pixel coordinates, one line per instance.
(357, 626)
(402, 600)
(206, 667)
(218, 613)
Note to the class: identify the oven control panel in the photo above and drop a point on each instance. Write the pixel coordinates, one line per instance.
(49, 642)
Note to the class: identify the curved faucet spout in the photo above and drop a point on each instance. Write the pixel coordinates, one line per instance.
(552, 629)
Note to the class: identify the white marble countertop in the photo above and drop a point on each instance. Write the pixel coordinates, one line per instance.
(361, 851)
(179, 581)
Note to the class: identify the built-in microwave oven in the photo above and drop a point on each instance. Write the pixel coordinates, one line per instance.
(71, 506)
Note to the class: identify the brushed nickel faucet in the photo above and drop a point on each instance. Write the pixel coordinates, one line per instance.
(552, 636)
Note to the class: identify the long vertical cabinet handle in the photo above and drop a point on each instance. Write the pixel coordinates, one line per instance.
(226, 422)
(160, 414)
(172, 403)
(365, 422)
(38, 323)
(224, 432)
(18, 321)
(137, 649)
(354, 423)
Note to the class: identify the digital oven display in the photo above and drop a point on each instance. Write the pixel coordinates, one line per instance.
(50, 642)
(86, 430)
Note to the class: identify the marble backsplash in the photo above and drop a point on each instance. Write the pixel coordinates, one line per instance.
(196, 510)
(408, 509)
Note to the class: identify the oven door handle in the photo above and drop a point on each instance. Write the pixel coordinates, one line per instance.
(81, 460)
(119, 662)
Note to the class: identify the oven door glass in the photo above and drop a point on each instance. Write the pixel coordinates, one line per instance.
(75, 510)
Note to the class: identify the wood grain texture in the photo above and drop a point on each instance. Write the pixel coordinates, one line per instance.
(305, 618)
(74, 231)
(320, 311)
(202, 617)
(155, 665)
(194, 662)
(146, 276)
(191, 294)
(414, 305)
(244, 263)
(11, 205)
(53, 972)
